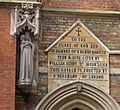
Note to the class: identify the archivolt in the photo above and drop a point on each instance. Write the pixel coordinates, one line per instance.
(77, 94)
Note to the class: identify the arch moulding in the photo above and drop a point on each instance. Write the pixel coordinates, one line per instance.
(80, 95)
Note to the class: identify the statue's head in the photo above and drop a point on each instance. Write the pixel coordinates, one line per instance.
(27, 36)
(22, 37)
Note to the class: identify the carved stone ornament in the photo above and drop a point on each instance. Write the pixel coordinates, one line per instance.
(25, 16)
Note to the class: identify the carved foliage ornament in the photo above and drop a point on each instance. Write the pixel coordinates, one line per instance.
(25, 16)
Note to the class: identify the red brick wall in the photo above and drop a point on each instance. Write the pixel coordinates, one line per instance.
(83, 4)
(106, 28)
(7, 62)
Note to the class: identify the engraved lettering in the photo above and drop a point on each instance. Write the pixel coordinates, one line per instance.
(78, 39)
(79, 56)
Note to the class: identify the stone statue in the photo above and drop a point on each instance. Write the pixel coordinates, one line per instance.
(26, 60)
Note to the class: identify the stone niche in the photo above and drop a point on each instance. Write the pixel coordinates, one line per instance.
(78, 55)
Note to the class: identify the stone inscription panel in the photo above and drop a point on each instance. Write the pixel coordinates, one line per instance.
(78, 56)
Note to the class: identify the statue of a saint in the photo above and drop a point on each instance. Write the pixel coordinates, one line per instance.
(26, 60)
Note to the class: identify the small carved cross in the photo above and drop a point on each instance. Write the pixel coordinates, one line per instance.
(78, 30)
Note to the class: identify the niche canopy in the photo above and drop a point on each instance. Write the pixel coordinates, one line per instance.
(78, 55)
(25, 16)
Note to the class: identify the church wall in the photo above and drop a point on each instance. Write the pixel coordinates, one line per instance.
(7, 62)
(112, 5)
(105, 27)
(115, 77)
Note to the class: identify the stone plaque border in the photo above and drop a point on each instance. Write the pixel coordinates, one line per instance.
(79, 23)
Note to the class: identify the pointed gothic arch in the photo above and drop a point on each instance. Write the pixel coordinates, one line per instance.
(77, 95)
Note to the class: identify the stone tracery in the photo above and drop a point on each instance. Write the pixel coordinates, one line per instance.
(25, 16)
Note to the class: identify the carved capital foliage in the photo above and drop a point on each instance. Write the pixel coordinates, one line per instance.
(23, 17)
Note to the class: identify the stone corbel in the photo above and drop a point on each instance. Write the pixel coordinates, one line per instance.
(24, 16)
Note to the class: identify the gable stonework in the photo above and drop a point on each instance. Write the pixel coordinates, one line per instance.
(78, 55)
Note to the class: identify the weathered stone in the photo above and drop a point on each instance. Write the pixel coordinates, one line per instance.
(78, 55)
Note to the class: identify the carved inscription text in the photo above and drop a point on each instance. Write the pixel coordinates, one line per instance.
(79, 57)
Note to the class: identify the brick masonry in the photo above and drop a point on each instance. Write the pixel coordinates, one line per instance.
(115, 76)
(7, 62)
(113, 5)
(106, 28)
